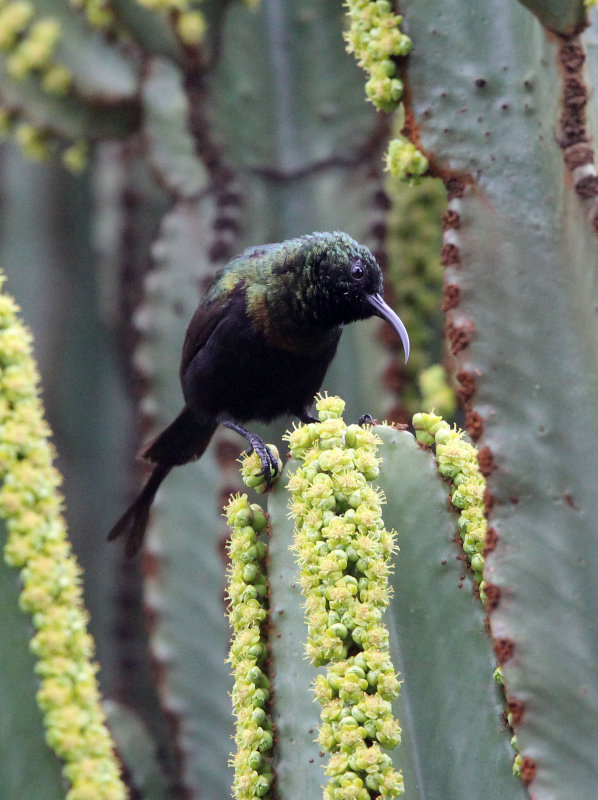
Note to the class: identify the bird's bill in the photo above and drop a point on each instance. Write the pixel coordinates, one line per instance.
(384, 311)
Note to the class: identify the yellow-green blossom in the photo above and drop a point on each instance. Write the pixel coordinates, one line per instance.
(191, 27)
(74, 157)
(435, 390)
(376, 40)
(344, 552)
(405, 161)
(458, 462)
(98, 12)
(33, 142)
(31, 504)
(57, 79)
(14, 19)
(248, 613)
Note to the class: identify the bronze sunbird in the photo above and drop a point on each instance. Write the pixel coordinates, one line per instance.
(258, 347)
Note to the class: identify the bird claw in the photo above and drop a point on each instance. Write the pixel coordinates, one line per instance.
(270, 466)
(269, 471)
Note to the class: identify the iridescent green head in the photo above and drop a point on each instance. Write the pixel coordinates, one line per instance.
(299, 288)
(344, 282)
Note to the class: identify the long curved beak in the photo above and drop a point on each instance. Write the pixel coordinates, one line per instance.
(384, 311)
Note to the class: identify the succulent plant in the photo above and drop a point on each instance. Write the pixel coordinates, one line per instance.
(191, 132)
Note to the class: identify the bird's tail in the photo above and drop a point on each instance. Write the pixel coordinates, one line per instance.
(183, 440)
(133, 522)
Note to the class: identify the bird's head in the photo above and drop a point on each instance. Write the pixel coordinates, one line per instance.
(348, 280)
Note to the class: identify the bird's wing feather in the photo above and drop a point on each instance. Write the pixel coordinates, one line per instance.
(203, 323)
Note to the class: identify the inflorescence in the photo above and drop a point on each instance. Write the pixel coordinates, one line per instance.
(458, 462)
(375, 37)
(248, 614)
(344, 552)
(376, 40)
(31, 505)
(29, 46)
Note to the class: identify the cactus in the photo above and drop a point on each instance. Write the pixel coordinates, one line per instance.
(206, 129)
(519, 247)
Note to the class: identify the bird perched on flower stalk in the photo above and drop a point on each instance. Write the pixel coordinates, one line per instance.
(258, 347)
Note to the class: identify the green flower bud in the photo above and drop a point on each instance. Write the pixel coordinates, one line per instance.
(250, 573)
(403, 159)
(339, 630)
(243, 517)
(260, 697)
(258, 717)
(266, 741)
(260, 520)
(255, 760)
(477, 562)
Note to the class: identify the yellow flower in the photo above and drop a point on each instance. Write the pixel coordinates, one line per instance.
(31, 505)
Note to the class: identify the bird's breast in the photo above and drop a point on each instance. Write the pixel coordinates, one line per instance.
(244, 373)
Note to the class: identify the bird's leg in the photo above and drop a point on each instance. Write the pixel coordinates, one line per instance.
(365, 419)
(269, 464)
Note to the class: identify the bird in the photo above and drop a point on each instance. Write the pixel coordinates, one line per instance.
(258, 347)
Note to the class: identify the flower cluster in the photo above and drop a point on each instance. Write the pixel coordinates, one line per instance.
(248, 613)
(375, 38)
(31, 504)
(98, 13)
(457, 460)
(191, 27)
(31, 46)
(499, 677)
(404, 161)
(189, 22)
(344, 552)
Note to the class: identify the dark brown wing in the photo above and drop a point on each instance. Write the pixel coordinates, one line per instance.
(208, 315)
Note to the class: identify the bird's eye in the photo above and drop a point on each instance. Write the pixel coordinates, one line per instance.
(357, 270)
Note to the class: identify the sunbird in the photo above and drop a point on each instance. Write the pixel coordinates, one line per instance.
(258, 347)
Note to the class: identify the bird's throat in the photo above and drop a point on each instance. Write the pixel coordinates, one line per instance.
(288, 326)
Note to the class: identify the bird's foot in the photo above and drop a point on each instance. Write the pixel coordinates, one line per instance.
(270, 469)
(366, 419)
(269, 458)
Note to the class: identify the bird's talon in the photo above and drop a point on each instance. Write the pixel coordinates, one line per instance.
(269, 471)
